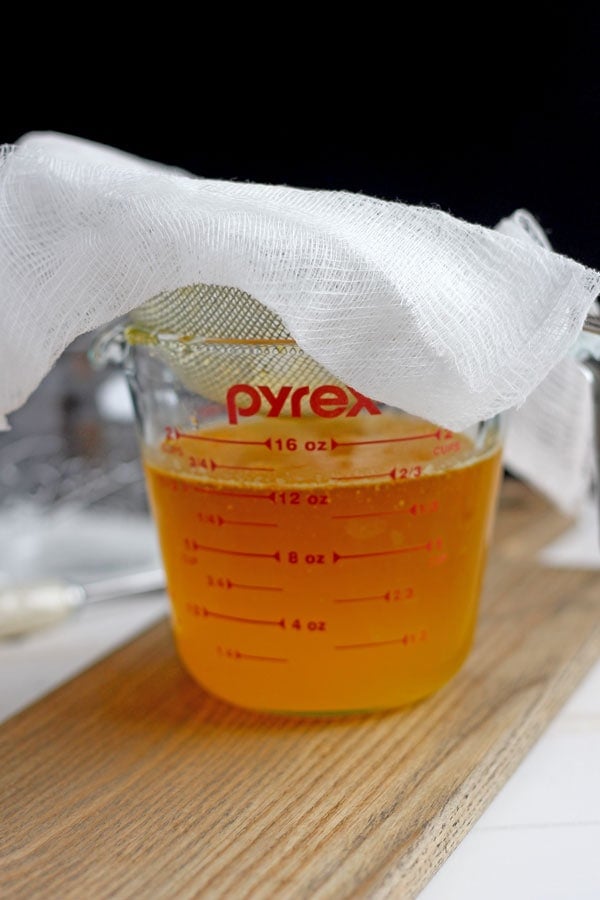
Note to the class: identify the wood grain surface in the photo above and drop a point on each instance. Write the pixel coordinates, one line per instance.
(131, 782)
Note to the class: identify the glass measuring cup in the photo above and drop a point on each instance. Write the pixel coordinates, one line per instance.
(323, 552)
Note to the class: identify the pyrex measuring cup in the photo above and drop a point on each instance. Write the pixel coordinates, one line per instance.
(323, 552)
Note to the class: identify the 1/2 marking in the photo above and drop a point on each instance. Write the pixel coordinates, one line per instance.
(192, 544)
(201, 611)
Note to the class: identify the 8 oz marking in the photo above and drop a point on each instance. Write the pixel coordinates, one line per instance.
(311, 559)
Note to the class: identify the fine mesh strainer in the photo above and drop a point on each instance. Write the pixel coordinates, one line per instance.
(189, 327)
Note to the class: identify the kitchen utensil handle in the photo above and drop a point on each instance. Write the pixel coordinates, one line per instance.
(124, 585)
(30, 607)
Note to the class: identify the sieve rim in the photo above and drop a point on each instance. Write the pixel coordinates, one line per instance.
(135, 335)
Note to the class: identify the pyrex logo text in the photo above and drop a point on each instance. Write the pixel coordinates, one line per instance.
(328, 401)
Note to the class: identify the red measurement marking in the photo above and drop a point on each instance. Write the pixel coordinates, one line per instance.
(214, 465)
(361, 599)
(215, 615)
(337, 556)
(391, 475)
(249, 524)
(195, 546)
(251, 587)
(275, 659)
(414, 510)
(405, 639)
(399, 440)
(218, 493)
(396, 594)
(213, 440)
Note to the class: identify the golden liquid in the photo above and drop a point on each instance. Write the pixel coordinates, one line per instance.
(323, 567)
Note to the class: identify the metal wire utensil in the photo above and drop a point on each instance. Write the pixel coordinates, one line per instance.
(592, 324)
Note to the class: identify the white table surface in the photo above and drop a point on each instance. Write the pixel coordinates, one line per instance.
(539, 839)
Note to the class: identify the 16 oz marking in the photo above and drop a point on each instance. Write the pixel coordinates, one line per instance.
(292, 444)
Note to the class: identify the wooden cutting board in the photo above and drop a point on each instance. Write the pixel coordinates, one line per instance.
(130, 782)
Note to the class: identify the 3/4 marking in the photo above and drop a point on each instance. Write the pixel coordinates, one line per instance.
(215, 465)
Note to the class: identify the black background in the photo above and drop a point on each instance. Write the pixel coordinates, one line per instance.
(477, 116)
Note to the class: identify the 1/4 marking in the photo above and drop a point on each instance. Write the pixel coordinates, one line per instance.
(214, 581)
(230, 653)
(216, 519)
